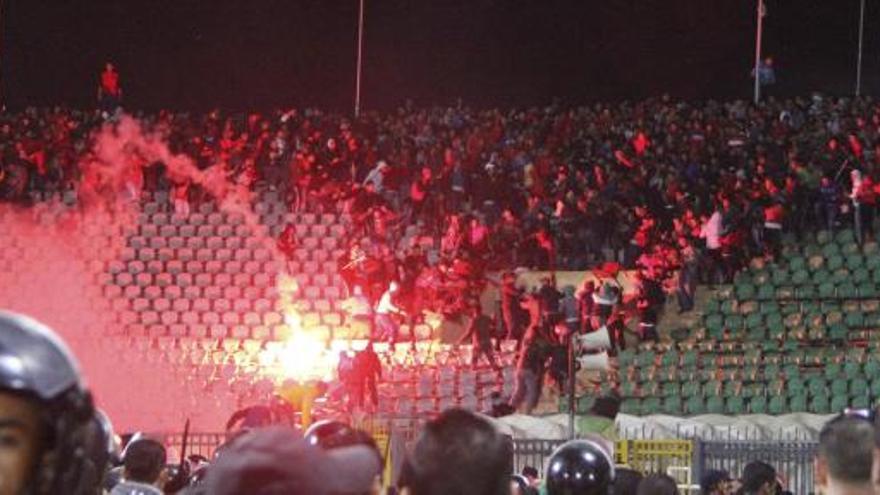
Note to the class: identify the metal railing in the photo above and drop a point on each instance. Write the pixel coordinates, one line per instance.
(685, 459)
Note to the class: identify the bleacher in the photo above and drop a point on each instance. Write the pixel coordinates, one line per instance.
(801, 334)
(199, 296)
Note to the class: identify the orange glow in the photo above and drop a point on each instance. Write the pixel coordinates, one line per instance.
(304, 356)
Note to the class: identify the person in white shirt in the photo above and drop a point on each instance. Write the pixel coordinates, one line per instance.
(385, 324)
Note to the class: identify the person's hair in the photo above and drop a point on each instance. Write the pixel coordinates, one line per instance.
(755, 475)
(65, 436)
(461, 453)
(530, 471)
(626, 481)
(846, 446)
(657, 484)
(144, 461)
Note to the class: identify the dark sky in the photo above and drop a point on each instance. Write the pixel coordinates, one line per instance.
(260, 53)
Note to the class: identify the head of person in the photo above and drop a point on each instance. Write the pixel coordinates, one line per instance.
(845, 457)
(531, 474)
(715, 482)
(657, 484)
(626, 481)
(519, 485)
(354, 449)
(144, 461)
(580, 467)
(46, 413)
(272, 461)
(458, 452)
(759, 478)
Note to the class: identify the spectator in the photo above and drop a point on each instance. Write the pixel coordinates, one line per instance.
(386, 310)
(843, 462)
(657, 484)
(367, 369)
(144, 469)
(476, 459)
(716, 482)
(759, 478)
(626, 481)
(480, 333)
(109, 89)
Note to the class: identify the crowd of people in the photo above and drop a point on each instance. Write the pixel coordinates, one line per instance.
(55, 440)
(683, 192)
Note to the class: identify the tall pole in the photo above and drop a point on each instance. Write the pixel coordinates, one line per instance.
(571, 386)
(360, 51)
(758, 34)
(861, 42)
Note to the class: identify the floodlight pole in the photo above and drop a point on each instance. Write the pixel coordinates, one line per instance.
(861, 44)
(360, 50)
(758, 35)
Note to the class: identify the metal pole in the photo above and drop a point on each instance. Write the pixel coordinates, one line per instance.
(758, 34)
(571, 380)
(360, 50)
(861, 42)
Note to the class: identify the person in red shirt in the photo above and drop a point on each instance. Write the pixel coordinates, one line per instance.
(109, 90)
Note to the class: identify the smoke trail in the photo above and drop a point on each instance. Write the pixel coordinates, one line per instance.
(54, 264)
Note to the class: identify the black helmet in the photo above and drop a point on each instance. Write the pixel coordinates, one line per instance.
(328, 434)
(579, 467)
(36, 364)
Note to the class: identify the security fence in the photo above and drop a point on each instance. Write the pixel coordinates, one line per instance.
(683, 459)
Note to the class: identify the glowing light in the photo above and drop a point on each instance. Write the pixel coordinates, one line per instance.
(304, 356)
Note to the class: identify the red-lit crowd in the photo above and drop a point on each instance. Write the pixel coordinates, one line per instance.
(683, 191)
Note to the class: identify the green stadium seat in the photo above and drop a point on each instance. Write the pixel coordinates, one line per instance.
(834, 262)
(758, 405)
(671, 405)
(729, 307)
(858, 387)
(860, 402)
(833, 370)
(626, 358)
(711, 306)
(735, 405)
(820, 404)
(670, 358)
(875, 387)
(845, 236)
(766, 292)
(796, 385)
(854, 319)
(816, 385)
(752, 390)
(867, 289)
(714, 322)
(875, 275)
(872, 369)
(694, 405)
(671, 389)
(645, 359)
(797, 403)
(800, 277)
(852, 370)
(839, 386)
(840, 276)
(847, 290)
(745, 291)
(838, 332)
(691, 388)
(650, 405)
(860, 275)
(777, 405)
(733, 322)
(823, 237)
(690, 359)
(826, 290)
(805, 292)
(797, 263)
(854, 261)
(631, 406)
(715, 405)
(780, 276)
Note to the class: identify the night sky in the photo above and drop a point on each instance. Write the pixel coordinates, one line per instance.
(242, 54)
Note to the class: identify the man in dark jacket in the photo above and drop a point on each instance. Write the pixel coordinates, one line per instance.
(480, 332)
(367, 369)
